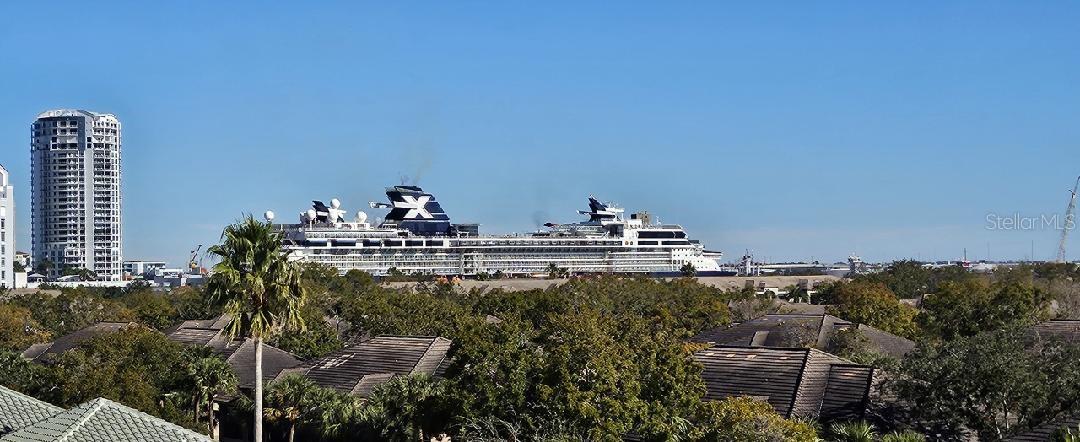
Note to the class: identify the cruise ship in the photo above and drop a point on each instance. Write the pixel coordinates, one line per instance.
(416, 236)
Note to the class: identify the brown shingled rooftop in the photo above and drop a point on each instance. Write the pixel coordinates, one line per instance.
(797, 382)
(359, 368)
(798, 330)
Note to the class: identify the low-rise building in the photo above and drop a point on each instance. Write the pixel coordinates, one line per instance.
(142, 269)
(176, 278)
(360, 368)
(239, 353)
(796, 382)
(802, 330)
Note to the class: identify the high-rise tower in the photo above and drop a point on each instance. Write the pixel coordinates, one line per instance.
(75, 192)
(7, 231)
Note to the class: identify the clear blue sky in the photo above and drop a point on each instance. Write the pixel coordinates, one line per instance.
(797, 129)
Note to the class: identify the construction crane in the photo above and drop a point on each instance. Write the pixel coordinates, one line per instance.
(1069, 218)
(193, 266)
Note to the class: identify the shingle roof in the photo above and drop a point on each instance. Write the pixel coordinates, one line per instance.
(102, 420)
(846, 393)
(240, 354)
(793, 330)
(357, 369)
(795, 381)
(200, 332)
(1045, 431)
(241, 357)
(73, 339)
(1067, 330)
(18, 410)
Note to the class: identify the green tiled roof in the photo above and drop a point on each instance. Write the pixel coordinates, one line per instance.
(18, 410)
(102, 420)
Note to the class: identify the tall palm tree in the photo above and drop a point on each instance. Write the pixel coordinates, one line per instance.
(258, 286)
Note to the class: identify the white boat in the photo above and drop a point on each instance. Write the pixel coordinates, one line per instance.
(417, 237)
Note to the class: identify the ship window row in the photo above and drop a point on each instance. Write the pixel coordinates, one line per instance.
(521, 267)
(660, 234)
(399, 245)
(467, 258)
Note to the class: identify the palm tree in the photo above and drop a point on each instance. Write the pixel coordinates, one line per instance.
(340, 414)
(859, 431)
(256, 284)
(213, 377)
(904, 436)
(293, 399)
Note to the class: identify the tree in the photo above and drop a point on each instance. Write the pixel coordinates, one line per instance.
(688, 270)
(872, 304)
(556, 272)
(969, 307)
(42, 267)
(293, 399)
(191, 303)
(579, 373)
(18, 373)
(18, 329)
(150, 308)
(134, 366)
(72, 310)
(1067, 434)
(315, 340)
(746, 419)
(213, 377)
(408, 408)
(82, 273)
(993, 383)
(343, 416)
(859, 431)
(257, 285)
(382, 311)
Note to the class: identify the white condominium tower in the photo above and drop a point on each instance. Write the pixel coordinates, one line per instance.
(7, 230)
(75, 192)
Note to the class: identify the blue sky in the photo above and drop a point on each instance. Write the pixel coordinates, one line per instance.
(801, 130)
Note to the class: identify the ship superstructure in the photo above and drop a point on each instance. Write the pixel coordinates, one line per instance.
(417, 237)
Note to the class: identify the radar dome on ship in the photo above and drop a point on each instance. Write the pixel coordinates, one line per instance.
(361, 217)
(269, 215)
(311, 214)
(335, 203)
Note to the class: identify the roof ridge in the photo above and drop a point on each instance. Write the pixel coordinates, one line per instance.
(760, 347)
(153, 420)
(404, 336)
(799, 383)
(95, 406)
(427, 350)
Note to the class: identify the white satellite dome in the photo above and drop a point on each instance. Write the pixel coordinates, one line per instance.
(311, 214)
(269, 215)
(335, 203)
(361, 217)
